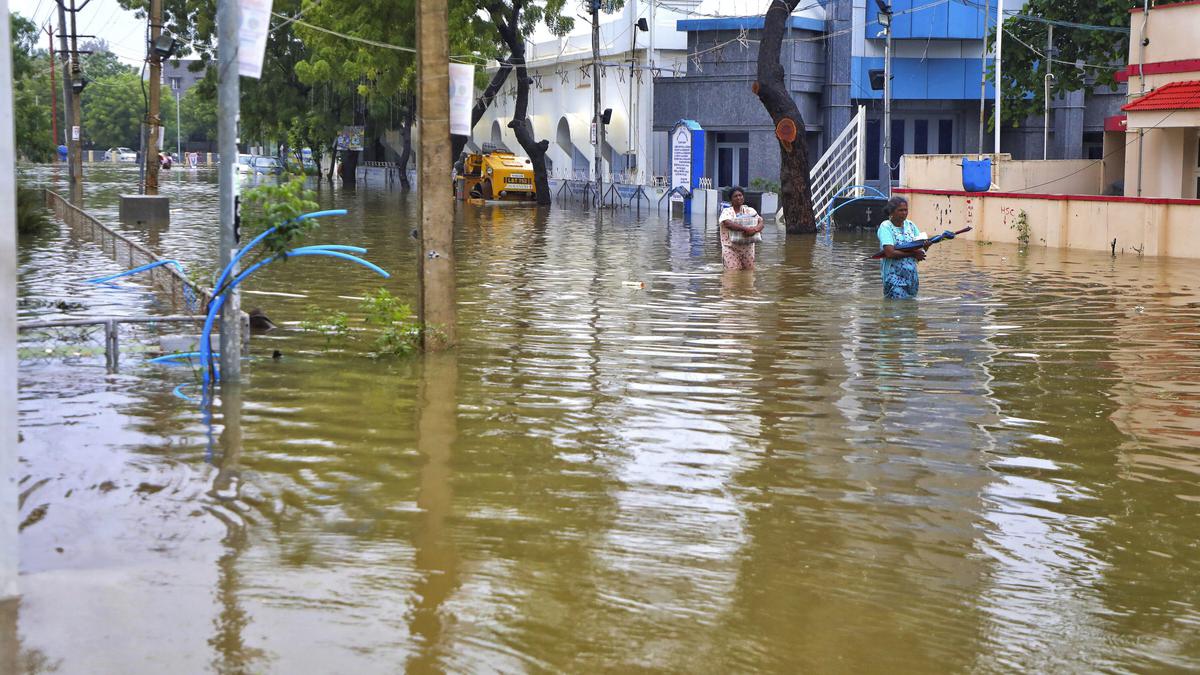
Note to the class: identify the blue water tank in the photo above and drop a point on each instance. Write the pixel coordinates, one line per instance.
(977, 174)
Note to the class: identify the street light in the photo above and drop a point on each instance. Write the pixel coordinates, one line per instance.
(885, 20)
(178, 129)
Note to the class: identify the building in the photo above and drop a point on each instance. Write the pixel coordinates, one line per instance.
(561, 105)
(177, 76)
(1156, 139)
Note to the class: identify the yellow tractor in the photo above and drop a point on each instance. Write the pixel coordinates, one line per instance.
(494, 173)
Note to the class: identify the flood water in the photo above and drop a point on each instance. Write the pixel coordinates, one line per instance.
(633, 461)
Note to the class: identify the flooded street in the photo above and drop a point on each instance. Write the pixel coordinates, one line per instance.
(633, 461)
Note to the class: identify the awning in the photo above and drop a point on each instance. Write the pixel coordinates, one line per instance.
(1173, 96)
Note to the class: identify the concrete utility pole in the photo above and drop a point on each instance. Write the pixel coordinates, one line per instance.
(153, 120)
(70, 120)
(8, 337)
(227, 120)
(435, 264)
(75, 149)
(178, 127)
(597, 124)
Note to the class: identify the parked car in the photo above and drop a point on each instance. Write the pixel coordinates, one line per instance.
(120, 155)
(267, 165)
(245, 163)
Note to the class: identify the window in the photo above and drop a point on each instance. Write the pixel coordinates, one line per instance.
(920, 137)
(873, 149)
(945, 137)
(176, 83)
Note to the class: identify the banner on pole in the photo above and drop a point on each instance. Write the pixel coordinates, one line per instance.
(462, 91)
(252, 36)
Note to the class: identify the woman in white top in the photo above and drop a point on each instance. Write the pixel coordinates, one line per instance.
(737, 250)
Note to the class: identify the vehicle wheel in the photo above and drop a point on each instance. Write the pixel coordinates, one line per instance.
(486, 187)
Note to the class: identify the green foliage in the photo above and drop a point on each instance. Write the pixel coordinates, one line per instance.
(269, 205)
(400, 333)
(765, 185)
(32, 217)
(101, 62)
(113, 110)
(392, 329)
(1023, 89)
(333, 325)
(198, 110)
(31, 92)
(1021, 225)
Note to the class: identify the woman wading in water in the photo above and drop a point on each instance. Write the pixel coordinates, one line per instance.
(740, 225)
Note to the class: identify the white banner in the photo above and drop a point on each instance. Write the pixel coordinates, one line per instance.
(252, 36)
(681, 159)
(462, 98)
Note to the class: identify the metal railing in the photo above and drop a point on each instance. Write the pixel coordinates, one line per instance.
(843, 164)
(168, 282)
(112, 336)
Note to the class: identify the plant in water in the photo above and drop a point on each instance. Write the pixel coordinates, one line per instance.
(333, 325)
(32, 217)
(266, 206)
(1021, 225)
(400, 333)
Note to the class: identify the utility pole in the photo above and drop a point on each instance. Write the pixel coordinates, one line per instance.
(152, 117)
(983, 72)
(53, 91)
(227, 121)
(75, 149)
(70, 119)
(885, 18)
(435, 262)
(1046, 93)
(999, 81)
(597, 123)
(8, 352)
(633, 30)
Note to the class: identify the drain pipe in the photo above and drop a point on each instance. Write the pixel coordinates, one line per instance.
(1142, 74)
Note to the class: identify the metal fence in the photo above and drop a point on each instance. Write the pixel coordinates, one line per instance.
(92, 340)
(168, 283)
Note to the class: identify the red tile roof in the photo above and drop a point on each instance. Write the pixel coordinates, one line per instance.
(1172, 96)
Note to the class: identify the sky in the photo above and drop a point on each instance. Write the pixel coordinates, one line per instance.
(105, 19)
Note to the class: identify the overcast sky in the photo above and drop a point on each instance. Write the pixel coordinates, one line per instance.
(105, 19)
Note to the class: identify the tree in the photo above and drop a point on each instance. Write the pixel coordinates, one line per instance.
(198, 110)
(514, 21)
(1024, 71)
(31, 92)
(114, 109)
(795, 191)
(101, 62)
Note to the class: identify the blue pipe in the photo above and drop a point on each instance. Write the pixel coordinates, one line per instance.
(265, 233)
(143, 268)
(332, 247)
(219, 301)
(165, 358)
(178, 391)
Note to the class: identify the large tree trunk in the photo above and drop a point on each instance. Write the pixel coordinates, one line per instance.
(523, 128)
(350, 167)
(481, 105)
(796, 193)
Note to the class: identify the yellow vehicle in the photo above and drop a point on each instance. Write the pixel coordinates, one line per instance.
(494, 174)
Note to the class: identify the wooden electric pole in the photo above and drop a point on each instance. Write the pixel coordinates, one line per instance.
(153, 122)
(435, 263)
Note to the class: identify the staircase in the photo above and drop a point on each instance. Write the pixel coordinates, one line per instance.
(843, 164)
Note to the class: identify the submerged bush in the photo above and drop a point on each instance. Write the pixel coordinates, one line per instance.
(391, 327)
(32, 216)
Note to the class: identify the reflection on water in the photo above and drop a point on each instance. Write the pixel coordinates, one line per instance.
(634, 460)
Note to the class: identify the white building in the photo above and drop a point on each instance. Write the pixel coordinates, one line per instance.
(561, 105)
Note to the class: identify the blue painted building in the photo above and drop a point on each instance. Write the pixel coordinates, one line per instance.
(829, 50)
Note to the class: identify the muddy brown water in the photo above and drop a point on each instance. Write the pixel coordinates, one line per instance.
(633, 461)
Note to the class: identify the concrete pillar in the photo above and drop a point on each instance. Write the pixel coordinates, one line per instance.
(435, 265)
(1066, 129)
(838, 106)
(8, 326)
